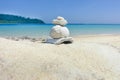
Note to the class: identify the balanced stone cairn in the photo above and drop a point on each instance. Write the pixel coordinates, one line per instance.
(59, 33)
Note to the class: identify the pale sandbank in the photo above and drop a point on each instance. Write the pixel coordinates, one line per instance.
(93, 57)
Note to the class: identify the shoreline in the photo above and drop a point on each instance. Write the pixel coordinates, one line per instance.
(34, 39)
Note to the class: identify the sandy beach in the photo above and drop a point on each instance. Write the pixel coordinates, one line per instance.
(89, 57)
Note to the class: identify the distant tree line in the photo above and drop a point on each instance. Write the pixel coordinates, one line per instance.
(6, 18)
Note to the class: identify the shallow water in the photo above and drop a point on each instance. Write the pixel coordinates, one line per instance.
(42, 30)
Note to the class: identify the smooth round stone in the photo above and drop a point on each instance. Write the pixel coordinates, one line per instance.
(59, 32)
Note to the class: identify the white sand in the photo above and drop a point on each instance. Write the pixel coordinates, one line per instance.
(88, 58)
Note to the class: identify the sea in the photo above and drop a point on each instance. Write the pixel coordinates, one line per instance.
(42, 30)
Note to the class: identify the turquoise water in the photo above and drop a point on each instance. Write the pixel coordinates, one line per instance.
(37, 30)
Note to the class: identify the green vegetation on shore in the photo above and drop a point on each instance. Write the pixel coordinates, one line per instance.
(6, 19)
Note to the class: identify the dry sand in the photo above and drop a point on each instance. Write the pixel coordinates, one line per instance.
(93, 57)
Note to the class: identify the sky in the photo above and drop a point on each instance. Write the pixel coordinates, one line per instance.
(75, 11)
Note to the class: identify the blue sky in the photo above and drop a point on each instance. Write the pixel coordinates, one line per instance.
(75, 11)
